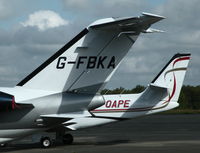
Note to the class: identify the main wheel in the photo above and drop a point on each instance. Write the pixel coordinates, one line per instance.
(68, 139)
(45, 142)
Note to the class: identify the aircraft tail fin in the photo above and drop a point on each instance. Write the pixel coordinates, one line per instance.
(161, 95)
(172, 75)
(87, 62)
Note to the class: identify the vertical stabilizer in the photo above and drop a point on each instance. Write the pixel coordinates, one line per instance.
(86, 63)
(173, 74)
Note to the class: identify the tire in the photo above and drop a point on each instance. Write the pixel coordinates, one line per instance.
(68, 139)
(45, 142)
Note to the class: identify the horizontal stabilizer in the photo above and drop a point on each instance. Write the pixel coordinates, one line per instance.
(129, 22)
(151, 30)
(155, 16)
(157, 86)
(151, 96)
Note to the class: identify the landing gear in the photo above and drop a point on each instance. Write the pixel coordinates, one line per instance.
(45, 142)
(67, 139)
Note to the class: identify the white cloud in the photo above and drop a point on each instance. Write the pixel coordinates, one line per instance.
(45, 19)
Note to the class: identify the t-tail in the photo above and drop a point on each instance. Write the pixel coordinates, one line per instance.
(161, 94)
(87, 62)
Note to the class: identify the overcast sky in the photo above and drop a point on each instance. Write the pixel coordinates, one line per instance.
(31, 31)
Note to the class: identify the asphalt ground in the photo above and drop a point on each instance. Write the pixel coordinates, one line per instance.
(150, 134)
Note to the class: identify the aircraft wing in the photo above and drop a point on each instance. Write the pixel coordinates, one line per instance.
(74, 121)
(67, 115)
(58, 119)
(129, 23)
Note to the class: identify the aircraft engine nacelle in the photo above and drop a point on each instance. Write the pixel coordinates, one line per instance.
(7, 102)
(96, 102)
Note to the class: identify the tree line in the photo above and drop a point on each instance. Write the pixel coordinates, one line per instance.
(189, 96)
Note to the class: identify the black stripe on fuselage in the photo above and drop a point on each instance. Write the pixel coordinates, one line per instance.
(52, 58)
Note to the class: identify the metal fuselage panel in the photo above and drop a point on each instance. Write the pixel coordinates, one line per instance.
(52, 104)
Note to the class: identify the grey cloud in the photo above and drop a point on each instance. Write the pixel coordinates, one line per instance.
(11, 8)
(23, 49)
(181, 11)
(105, 8)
